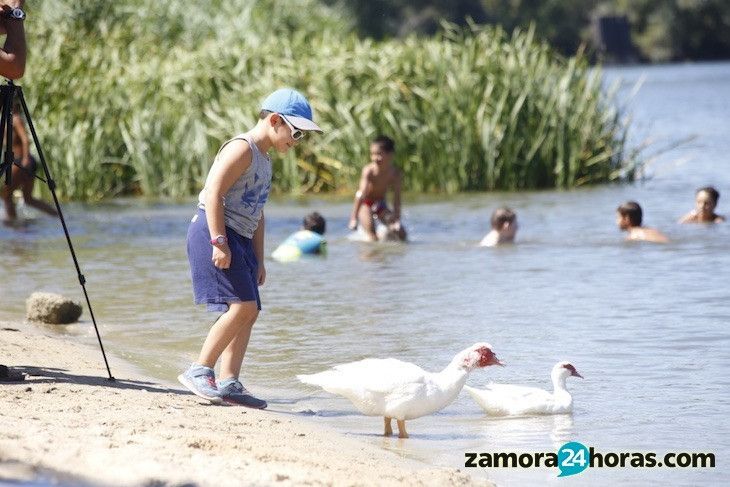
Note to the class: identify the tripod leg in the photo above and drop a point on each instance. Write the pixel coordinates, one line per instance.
(5, 166)
(52, 187)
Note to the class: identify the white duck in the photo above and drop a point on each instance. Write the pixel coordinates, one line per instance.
(401, 390)
(509, 400)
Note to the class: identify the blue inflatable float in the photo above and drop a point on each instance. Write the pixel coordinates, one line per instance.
(298, 244)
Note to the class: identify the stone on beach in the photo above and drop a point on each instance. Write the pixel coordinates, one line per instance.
(52, 308)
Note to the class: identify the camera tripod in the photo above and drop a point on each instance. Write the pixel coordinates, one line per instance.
(8, 94)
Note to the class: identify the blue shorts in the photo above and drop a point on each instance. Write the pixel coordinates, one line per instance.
(218, 287)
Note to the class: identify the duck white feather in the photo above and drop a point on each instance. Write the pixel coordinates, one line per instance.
(512, 400)
(401, 390)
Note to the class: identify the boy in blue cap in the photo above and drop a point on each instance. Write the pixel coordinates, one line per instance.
(225, 243)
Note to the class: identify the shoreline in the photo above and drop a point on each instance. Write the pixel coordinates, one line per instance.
(68, 421)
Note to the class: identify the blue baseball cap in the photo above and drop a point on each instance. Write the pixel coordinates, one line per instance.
(293, 106)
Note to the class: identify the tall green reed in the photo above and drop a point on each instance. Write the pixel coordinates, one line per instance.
(134, 97)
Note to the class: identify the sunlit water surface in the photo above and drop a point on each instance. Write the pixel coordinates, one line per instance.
(646, 325)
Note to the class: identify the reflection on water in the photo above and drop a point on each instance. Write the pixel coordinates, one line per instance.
(558, 429)
(645, 324)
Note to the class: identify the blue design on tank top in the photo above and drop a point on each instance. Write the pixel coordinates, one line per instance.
(245, 199)
(255, 197)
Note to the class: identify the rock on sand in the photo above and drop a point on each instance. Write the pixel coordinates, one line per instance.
(52, 308)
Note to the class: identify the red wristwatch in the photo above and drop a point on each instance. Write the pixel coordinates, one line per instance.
(219, 240)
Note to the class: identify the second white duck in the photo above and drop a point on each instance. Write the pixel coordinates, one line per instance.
(401, 390)
(511, 400)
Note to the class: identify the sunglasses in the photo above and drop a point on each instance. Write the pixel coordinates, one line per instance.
(296, 134)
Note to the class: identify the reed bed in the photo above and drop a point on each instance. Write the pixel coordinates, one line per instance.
(135, 96)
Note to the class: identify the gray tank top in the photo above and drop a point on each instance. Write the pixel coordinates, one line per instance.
(243, 202)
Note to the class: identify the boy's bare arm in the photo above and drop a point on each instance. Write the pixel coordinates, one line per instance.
(258, 249)
(396, 195)
(234, 159)
(362, 188)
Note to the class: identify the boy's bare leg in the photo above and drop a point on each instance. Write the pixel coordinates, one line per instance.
(19, 179)
(34, 202)
(7, 196)
(40, 205)
(232, 356)
(228, 326)
(365, 216)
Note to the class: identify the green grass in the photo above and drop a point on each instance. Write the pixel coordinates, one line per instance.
(135, 96)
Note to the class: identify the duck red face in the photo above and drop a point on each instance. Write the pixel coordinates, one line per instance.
(487, 357)
(572, 370)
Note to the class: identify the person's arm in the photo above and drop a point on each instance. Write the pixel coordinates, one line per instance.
(258, 249)
(359, 196)
(688, 218)
(396, 196)
(13, 52)
(22, 135)
(233, 160)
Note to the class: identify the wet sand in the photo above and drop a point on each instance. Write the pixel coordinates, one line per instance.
(67, 422)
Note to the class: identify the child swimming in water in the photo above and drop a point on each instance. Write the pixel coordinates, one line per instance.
(504, 228)
(705, 204)
(376, 180)
(308, 240)
(628, 218)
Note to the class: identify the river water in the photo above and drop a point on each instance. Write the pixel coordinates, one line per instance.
(646, 325)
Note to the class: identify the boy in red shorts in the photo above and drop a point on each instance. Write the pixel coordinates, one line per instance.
(377, 178)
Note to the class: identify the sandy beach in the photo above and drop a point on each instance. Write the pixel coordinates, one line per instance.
(67, 422)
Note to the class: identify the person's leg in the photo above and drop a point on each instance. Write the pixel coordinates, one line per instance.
(7, 196)
(232, 325)
(230, 388)
(232, 356)
(27, 189)
(365, 216)
(200, 377)
(19, 177)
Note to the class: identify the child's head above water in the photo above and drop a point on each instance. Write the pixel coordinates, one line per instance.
(502, 218)
(504, 227)
(629, 219)
(629, 215)
(704, 210)
(706, 201)
(315, 223)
